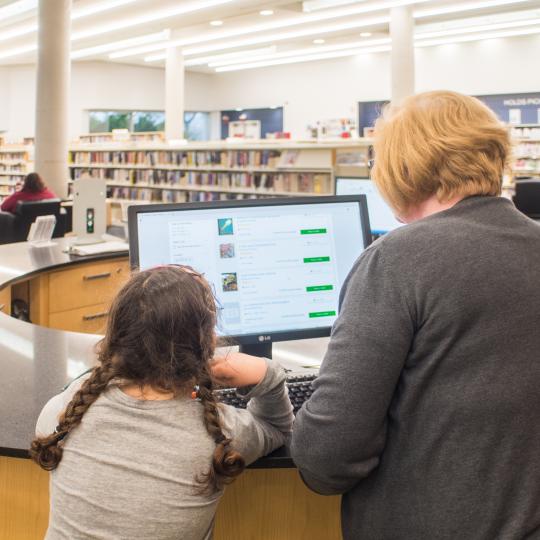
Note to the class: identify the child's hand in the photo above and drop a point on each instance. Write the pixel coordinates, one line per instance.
(238, 369)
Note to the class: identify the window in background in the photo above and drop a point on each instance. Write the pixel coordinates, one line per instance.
(197, 126)
(271, 119)
(148, 121)
(196, 123)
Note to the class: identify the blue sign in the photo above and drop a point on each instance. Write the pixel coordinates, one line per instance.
(505, 106)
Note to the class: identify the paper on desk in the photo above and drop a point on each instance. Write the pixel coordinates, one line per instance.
(96, 249)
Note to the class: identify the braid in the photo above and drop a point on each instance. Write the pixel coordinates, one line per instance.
(227, 463)
(47, 451)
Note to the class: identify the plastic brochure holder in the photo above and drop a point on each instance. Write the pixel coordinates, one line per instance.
(41, 231)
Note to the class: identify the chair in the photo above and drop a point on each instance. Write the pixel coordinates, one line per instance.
(527, 197)
(15, 227)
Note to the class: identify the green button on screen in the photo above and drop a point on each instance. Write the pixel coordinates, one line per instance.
(313, 231)
(316, 259)
(317, 314)
(315, 288)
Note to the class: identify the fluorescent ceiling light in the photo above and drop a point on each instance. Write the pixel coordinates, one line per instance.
(476, 29)
(305, 52)
(310, 58)
(365, 34)
(18, 31)
(18, 50)
(466, 6)
(478, 37)
(250, 53)
(275, 25)
(148, 17)
(106, 47)
(286, 35)
(16, 8)
(216, 58)
(98, 8)
(315, 5)
(266, 12)
(216, 23)
(77, 14)
(382, 48)
(318, 41)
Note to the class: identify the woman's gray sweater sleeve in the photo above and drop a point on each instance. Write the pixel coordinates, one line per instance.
(266, 424)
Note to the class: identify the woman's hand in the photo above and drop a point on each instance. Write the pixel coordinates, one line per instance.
(238, 369)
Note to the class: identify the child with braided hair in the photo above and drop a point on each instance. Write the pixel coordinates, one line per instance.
(135, 452)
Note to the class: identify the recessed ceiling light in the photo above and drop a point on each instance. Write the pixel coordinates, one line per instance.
(318, 41)
(266, 12)
(216, 23)
(365, 34)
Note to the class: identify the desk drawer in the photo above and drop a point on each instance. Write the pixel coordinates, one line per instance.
(86, 285)
(89, 319)
(5, 300)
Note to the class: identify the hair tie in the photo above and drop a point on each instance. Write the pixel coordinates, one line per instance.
(195, 393)
(58, 431)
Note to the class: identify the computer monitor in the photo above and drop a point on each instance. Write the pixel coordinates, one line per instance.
(381, 217)
(276, 265)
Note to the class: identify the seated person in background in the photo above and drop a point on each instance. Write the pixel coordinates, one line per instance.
(139, 448)
(425, 414)
(33, 189)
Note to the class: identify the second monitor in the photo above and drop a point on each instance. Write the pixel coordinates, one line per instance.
(381, 217)
(276, 265)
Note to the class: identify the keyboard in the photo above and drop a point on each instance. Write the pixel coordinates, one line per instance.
(299, 387)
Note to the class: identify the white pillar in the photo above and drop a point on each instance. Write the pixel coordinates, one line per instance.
(402, 34)
(174, 93)
(52, 93)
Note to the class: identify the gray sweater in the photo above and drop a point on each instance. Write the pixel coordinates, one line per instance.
(128, 470)
(426, 413)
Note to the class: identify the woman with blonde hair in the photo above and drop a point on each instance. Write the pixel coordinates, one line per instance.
(425, 413)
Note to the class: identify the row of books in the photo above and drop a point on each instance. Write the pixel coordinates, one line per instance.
(297, 182)
(12, 167)
(525, 132)
(527, 150)
(178, 158)
(527, 166)
(12, 180)
(168, 196)
(20, 157)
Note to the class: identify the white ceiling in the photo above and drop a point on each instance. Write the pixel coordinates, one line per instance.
(134, 30)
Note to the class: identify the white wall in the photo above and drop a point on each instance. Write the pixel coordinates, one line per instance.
(94, 85)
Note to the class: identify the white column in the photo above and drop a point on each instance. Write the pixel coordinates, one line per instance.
(52, 93)
(174, 93)
(402, 34)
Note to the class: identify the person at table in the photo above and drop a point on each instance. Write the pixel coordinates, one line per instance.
(425, 413)
(139, 448)
(33, 189)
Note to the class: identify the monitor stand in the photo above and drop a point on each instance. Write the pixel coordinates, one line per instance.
(263, 350)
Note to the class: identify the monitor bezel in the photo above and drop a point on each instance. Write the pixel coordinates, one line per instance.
(256, 338)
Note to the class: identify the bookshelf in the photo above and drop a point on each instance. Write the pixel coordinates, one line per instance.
(215, 171)
(16, 161)
(527, 157)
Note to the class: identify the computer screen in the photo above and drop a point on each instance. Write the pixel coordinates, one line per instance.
(276, 265)
(381, 217)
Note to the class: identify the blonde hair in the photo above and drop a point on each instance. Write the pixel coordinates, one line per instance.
(438, 143)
